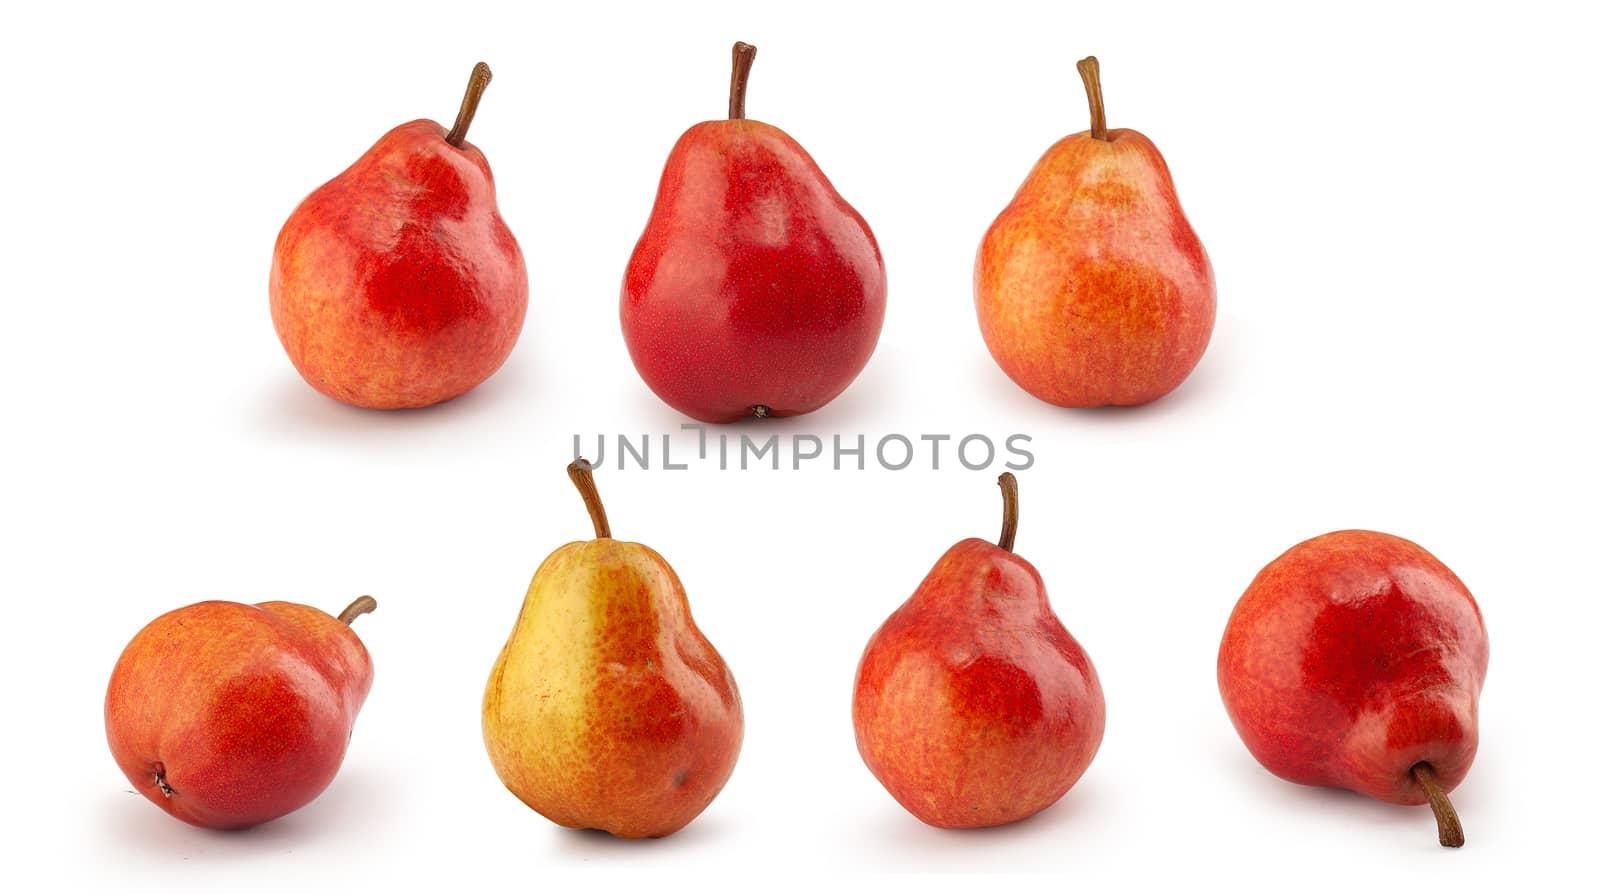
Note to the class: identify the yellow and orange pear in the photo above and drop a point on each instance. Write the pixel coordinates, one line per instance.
(608, 708)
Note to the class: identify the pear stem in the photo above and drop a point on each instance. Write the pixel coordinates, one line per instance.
(476, 84)
(1008, 519)
(582, 475)
(1089, 70)
(744, 56)
(358, 608)
(1450, 834)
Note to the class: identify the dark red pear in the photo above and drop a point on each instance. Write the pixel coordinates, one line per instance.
(1354, 660)
(755, 289)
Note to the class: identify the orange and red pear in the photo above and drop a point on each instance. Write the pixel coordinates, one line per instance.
(1092, 289)
(397, 284)
(228, 715)
(973, 704)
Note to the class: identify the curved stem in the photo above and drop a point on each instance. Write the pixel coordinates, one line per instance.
(476, 84)
(744, 56)
(1008, 520)
(582, 475)
(356, 609)
(1089, 70)
(1450, 834)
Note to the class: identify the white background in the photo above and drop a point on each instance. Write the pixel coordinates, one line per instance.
(1400, 210)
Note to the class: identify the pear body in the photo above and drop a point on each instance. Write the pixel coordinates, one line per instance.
(1350, 659)
(1091, 286)
(754, 283)
(607, 708)
(397, 284)
(242, 711)
(973, 704)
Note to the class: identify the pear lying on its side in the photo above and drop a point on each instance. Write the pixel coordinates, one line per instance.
(1355, 661)
(228, 715)
(607, 708)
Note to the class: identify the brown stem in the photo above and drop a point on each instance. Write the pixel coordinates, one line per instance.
(744, 55)
(582, 475)
(476, 84)
(356, 609)
(1089, 70)
(1008, 521)
(1444, 812)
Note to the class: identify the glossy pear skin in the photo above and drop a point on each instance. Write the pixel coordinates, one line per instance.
(607, 708)
(754, 282)
(245, 710)
(973, 705)
(1353, 657)
(1091, 287)
(397, 284)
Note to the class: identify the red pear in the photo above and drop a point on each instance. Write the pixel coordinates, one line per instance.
(1091, 287)
(397, 284)
(755, 290)
(228, 715)
(973, 705)
(1354, 660)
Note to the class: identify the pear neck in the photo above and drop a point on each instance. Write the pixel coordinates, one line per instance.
(970, 578)
(581, 471)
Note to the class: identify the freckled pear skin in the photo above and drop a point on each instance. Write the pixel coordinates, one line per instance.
(973, 704)
(397, 284)
(228, 715)
(607, 708)
(1092, 289)
(1353, 660)
(755, 288)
